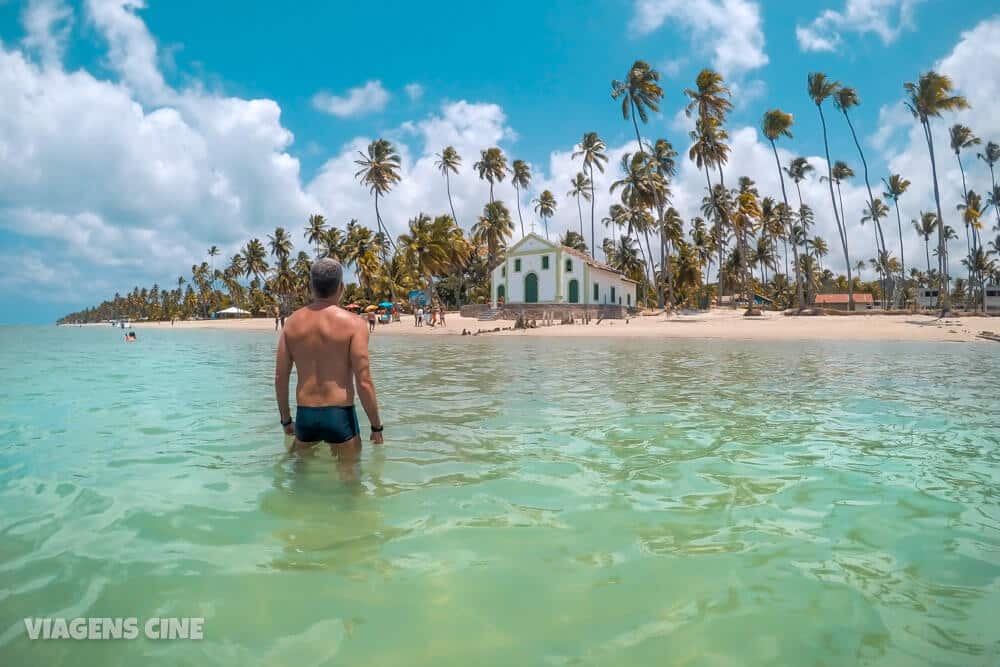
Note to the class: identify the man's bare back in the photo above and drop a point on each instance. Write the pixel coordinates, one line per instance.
(328, 346)
(319, 339)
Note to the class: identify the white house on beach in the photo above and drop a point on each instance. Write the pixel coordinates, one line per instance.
(538, 271)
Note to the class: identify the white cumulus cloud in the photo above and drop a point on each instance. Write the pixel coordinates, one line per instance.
(885, 18)
(369, 98)
(731, 31)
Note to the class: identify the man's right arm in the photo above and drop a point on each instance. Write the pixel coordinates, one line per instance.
(363, 378)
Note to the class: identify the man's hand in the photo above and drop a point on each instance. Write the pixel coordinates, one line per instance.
(290, 429)
(377, 437)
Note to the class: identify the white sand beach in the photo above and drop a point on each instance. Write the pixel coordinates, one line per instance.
(720, 324)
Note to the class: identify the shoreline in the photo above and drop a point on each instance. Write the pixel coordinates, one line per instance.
(718, 324)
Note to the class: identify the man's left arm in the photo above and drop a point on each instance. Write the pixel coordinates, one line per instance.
(282, 374)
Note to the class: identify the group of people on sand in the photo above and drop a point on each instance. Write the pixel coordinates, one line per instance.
(430, 316)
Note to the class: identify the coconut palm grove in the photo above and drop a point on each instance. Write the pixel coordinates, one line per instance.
(744, 243)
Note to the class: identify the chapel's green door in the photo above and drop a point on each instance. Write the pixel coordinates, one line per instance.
(501, 293)
(574, 291)
(531, 288)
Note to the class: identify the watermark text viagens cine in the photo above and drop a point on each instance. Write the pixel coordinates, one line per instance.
(96, 628)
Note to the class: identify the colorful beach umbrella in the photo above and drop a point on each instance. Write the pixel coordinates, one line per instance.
(352, 306)
(371, 308)
(385, 304)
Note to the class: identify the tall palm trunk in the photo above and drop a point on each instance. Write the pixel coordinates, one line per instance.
(944, 300)
(666, 251)
(593, 248)
(871, 197)
(579, 211)
(993, 180)
(718, 237)
(843, 217)
(970, 244)
(833, 202)
(635, 124)
(447, 185)
(899, 226)
(385, 253)
(517, 193)
(795, 252)
(649, 251)
(927, 251)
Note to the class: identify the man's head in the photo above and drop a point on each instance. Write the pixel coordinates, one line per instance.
(327, 278)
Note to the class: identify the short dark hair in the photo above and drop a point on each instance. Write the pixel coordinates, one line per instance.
(326, 276)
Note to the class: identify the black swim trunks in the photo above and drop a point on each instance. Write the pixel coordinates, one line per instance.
(334, 424)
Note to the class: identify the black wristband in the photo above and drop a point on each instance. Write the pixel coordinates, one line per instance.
(379, 429)
(286, 423)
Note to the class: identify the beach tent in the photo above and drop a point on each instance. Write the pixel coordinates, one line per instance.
(232, 311)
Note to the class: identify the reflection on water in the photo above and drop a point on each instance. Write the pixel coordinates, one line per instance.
(538, 501)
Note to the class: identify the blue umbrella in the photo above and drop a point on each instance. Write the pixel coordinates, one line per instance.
(385, 304)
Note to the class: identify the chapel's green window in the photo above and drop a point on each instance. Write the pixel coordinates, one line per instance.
(517, 266)
(569, 266)
(545, 261)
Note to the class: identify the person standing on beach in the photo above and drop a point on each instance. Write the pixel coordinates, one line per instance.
(371, 321)
(420, 316)
(329, 347)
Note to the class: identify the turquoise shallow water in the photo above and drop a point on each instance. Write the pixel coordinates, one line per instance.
(537, 502)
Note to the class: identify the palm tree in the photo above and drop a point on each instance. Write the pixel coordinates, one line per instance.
(520, 176)
(333, 244)
(573, 240)
(962, 137)
(316, 231)
(492, 167)
(820, 88)
(380, 171)
(925, 226)
(671, 235)
(895, 187)
(213, 252)
(745, 222)
(640, 94)
(876, 210)
(493, 229)
(838, 174)
(426, 247)
(592, 150)
(279, 243)
(448, 163)
(845, 99)
(254, 259)
(991, 155)
(972, 217)
(640, 191)
(581, 188)
(710, 97)
(928, 98)
(979, 265)
(665, 166)
(545, 207)
(775, 124)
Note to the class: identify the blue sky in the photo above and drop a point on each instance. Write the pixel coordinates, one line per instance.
(146, 133)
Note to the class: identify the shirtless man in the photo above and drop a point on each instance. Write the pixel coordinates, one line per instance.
(329, 347)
